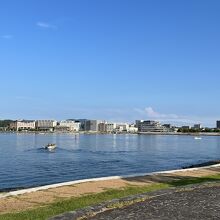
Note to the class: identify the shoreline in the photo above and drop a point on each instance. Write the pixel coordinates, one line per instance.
(119, 133)
(205, 164)
(195, 167)
(38, 203)
(180, 133)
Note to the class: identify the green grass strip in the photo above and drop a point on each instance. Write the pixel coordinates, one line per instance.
(65, 205)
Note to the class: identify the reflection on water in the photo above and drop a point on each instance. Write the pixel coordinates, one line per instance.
(24, 162)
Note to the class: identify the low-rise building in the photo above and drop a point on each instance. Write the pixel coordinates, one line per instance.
(69, 125)
(132, 129)
(110, 127)
(122, 127)
(102, 127)
(186, 127)
(151, 126)
(167, 126)
(92, 125)
(46, 125)
(22, 125)
(107, 127)
(82, 123)
(197, 126)
(170, 128)
(138, 122)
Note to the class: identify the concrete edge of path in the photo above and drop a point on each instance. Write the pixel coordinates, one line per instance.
(109, 205)
(35, 189)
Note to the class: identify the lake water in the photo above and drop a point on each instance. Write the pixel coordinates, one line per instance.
(24, 162)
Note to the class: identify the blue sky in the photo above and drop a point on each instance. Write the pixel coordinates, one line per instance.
(110, 59)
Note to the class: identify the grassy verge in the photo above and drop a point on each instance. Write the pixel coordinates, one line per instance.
(66, 205)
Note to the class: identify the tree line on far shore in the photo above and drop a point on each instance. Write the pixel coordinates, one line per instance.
(5, 123)
(193, 130)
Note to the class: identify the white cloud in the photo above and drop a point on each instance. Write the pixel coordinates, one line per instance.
(7, 36)
(153, 114)
(45, 25)
(149, 113)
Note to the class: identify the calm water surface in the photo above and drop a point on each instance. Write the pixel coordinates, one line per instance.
(24, 163)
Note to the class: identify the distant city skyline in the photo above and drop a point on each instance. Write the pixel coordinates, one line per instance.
(115, 60)
(181, 123)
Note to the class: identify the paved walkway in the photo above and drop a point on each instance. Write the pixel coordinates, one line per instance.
(198, 201)
(189, 203)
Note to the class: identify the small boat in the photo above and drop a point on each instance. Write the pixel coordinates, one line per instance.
(197, 138)
(50, 146)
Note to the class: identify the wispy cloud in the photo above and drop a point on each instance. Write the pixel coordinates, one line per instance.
(150, 113)
(7, 36)
(45, 25)
(154, 114)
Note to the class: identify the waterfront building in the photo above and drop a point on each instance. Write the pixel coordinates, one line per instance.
(92, 125)
(167, 126)
(197, 126)
(46, 125)
(151, 126)
(69, 125)
(170, 128)
(138, 122)
(122, 127)
(82, 123)
(186, 127)
(102, 127)
(218, 124)
(110, 127)
(107, 127)
(132, 128)
(22, 125)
